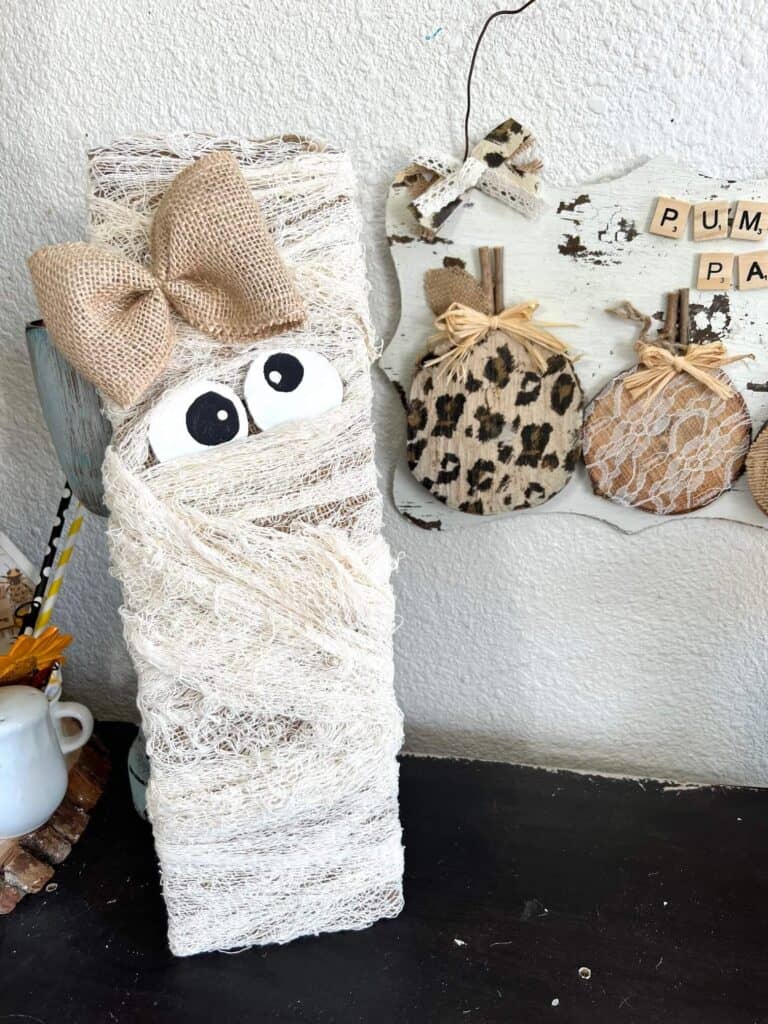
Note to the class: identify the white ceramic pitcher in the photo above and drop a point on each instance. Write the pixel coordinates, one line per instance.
(33, 772)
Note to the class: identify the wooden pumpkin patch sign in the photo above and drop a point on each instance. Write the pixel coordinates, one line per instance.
(569, 254)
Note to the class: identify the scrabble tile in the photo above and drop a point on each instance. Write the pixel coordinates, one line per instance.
(753, 270)
(670, 217)
(710, 220)
(715, 271)
(750, 222)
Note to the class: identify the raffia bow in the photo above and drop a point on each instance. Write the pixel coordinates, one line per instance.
(493, 167)
(460, 328)
(662, 366)
(212, 262)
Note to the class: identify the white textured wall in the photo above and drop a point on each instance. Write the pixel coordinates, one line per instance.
(556, 640)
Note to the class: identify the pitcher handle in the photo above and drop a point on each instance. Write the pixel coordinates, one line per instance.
(81, 714)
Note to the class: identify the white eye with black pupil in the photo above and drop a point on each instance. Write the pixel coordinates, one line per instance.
(283, 372)
(295, 385)
(195, 418)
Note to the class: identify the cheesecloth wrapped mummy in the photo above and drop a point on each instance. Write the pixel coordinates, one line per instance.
(257, 603)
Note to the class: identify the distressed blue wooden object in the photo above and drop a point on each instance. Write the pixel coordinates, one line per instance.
(72, 411)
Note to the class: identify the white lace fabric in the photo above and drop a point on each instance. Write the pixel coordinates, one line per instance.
(675, 455)
(518, 191)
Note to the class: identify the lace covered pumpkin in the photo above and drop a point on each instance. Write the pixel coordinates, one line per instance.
(671, 434)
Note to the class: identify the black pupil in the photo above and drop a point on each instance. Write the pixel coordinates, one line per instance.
(283, 372)
(212, 419)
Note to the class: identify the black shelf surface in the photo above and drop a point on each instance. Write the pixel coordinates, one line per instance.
(515, 879)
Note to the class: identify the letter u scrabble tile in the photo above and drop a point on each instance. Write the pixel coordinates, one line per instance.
(710, 220)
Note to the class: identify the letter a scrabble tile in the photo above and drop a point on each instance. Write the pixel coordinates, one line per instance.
(753, 270)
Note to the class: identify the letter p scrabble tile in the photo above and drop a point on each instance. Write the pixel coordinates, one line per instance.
(670, 217)
(715, 271)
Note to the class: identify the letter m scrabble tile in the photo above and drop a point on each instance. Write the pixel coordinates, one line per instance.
(750, 222)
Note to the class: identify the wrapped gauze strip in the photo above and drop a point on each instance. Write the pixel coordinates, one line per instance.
(257, 603)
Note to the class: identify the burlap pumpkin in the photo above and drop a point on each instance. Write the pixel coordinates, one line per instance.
(757, 469)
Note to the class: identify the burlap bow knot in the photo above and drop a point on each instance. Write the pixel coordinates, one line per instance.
(461, 327)
(491, 167)
(661, 366)
(212, 262)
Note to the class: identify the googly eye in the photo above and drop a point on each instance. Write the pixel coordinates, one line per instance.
(295, 385)
(194, 418)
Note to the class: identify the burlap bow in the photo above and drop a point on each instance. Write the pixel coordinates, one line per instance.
(661, 366)
(212, 262)
(461, 327)
(491, 167)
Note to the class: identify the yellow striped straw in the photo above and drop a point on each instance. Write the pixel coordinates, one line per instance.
(54, 585)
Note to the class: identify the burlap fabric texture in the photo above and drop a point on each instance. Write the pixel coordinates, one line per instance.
(212, 261)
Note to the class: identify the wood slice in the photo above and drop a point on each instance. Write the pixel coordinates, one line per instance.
(498, 435)
(672, 455)
(27, 864)
(757, 469)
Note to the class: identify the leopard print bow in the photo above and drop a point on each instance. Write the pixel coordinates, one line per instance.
(492, 166)
(460, 328)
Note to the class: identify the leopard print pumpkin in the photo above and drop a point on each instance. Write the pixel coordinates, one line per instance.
(497, 435)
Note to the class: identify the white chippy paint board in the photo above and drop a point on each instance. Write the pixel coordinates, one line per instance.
(588, 250)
